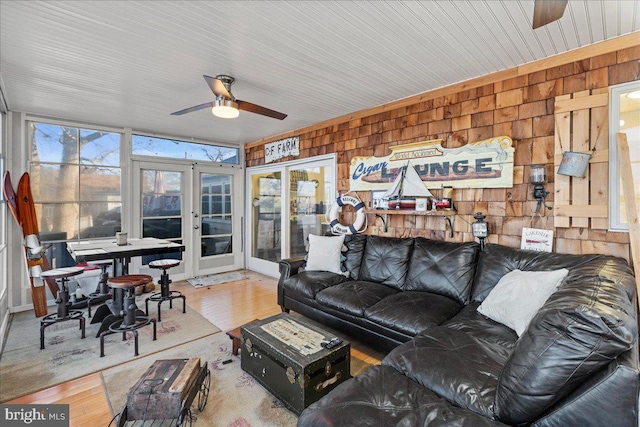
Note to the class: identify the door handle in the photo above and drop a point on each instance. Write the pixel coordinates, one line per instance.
(195, 215)
(195, 227)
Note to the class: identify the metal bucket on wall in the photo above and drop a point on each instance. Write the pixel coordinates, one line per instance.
(574, 164)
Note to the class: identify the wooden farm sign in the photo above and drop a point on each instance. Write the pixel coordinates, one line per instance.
(482, 164)
(282, 148)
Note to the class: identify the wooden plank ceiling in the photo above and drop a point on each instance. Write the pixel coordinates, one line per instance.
(130, 64)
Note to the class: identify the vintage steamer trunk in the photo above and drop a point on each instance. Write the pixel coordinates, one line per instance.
(297, 379)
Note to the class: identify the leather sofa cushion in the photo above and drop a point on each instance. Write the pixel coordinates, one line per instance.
(382, 396)
(445, 268)
(353, 297)
(411, 312)
(608, 398)
(496, 260)
(455, 365)
(355, 244)
(470, 321)
(386, 260)
(582, 327)
(309, 283)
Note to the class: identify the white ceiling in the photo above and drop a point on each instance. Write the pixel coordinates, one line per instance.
(132, 63)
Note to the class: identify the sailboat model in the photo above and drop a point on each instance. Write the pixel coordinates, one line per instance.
(405, 189)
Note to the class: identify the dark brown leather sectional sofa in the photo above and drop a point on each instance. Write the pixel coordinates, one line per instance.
(575, 365)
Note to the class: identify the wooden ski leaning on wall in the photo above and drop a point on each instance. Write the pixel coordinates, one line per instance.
(29, 223)
(23, 211)
(12, 200)
(11, 197)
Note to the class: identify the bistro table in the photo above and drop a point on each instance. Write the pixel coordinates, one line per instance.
(94, 250)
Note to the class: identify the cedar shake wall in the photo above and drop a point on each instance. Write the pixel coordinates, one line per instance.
(520, 107)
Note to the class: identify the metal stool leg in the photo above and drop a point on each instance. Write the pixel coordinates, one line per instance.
(102, 343)
(135, 340)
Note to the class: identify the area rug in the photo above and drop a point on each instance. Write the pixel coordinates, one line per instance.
(25, 369)
(217, 279)
(235, 398)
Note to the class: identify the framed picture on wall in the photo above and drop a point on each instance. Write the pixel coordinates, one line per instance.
(377, 202)
(536, 239)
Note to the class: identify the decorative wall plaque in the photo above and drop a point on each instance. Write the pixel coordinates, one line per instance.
(282, 148)
(482, 164)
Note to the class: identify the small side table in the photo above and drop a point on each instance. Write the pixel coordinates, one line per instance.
(236, 337)
(62, 300)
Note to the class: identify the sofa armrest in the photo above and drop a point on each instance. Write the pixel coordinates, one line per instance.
(287, 267)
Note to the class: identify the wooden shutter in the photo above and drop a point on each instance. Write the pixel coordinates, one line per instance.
(582, 125)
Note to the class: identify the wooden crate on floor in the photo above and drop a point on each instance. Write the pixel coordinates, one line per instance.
(161, 392)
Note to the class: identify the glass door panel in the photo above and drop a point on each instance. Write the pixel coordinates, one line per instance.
(285, 203)
(193, 204)
(266, 212)
(216, 222)
(310, 195)
(162, 208)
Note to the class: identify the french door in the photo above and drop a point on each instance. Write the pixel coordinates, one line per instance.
(284, 204)
(197, 205)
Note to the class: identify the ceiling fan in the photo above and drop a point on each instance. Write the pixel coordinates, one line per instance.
(226, 105)
(547, 11)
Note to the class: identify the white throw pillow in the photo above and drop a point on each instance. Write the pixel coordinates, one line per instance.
(324, 253)
(518, 296)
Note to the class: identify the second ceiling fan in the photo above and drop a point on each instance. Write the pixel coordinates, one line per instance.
(547, 11)
(226, 105)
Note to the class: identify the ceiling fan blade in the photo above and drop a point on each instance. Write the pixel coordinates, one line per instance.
(192, 109)
(546, 11)
(253, 108)
(217, 87)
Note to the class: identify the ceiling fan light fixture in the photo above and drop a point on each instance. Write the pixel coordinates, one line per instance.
(225, 108)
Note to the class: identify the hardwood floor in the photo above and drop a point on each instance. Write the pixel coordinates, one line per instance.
(227, 306)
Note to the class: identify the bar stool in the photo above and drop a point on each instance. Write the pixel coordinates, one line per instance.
(165, 293)
(102, 292)
(129, 321)
(62, 300)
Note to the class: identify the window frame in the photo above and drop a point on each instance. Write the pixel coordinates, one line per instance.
(79, 202)
(193, 141)
(4, 219)
(615, 190)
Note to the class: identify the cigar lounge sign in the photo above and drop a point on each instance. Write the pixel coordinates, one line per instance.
(482, 164)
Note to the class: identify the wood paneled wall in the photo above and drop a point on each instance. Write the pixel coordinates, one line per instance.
(518, 103)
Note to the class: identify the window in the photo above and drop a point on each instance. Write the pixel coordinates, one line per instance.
(624, 117)
(4, 278)
(75, 181)
(142, 145)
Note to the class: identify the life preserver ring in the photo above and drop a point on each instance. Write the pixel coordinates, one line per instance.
(361, 217)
